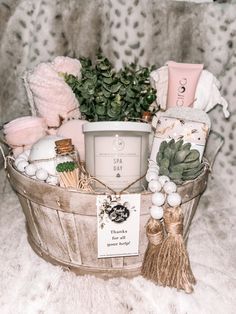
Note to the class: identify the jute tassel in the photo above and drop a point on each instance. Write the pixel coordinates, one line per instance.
(173, 264)
(155, 234)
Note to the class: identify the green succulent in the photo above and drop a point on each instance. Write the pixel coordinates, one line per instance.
(178, 161)
(107, 95)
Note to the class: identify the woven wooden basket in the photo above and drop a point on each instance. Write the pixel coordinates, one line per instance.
(62, 225)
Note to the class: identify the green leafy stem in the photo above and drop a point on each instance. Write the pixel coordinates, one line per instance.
(107, 95)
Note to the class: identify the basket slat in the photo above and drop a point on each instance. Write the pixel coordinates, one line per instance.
(68, 225)
(50, 230)
(29, 215)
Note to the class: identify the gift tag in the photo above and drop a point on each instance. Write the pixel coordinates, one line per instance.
(118, 225)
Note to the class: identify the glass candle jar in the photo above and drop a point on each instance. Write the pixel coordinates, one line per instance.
(116, 153)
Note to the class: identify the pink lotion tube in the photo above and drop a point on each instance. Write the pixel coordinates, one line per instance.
(182, 83)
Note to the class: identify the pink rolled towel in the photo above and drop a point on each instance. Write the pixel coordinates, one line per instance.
(67, 65)
(52, 97)
(22, 133)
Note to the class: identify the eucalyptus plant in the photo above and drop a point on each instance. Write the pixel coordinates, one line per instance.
(108, 95)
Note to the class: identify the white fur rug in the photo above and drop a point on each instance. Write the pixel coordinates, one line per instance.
(29, 285)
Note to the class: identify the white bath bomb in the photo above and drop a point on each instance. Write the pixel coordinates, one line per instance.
(158, 199)
(170, 187)
(30, 170)
(21, 165)
(43, 153)
(156, 212)
(52, 180)
(154, 186)
(41, 174)
(174, 199)
(163, 180)
(151, 175)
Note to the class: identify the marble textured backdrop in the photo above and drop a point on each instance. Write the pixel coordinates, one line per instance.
(149, 32)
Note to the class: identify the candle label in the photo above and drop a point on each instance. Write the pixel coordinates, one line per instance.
(118, 160)
(118, 225)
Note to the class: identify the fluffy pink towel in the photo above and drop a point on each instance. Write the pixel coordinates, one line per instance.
(67, 65)
(22, 133)
(52, 97)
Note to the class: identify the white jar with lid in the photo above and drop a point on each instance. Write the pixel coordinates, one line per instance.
(117, 153)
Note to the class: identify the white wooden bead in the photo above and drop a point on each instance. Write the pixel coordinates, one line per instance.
(158, 199)
(174, 199)
(154, 186)
(170, 187)
(163, 180)
(156, 212)
(151, 175)
(153, 169)
(41, 174)
(21, 165)
(18, 159)
(30, 170)
(153, 165)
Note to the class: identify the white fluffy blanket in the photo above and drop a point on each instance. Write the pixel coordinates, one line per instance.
(29, 285)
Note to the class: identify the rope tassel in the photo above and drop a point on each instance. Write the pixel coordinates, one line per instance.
(173, 263)
(155, 234)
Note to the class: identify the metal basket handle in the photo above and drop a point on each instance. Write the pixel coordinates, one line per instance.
(214, 145)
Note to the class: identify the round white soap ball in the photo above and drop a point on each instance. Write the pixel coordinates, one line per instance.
(52, 180)
(151, 175)
(174, 199)
(170, 187)
(163, 180)
(30, 170)
(158, 199)
(22, 165)
(41, 174)
(156, 212)
(154, 186)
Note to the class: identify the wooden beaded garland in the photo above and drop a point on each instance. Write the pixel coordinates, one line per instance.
(164, 190)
